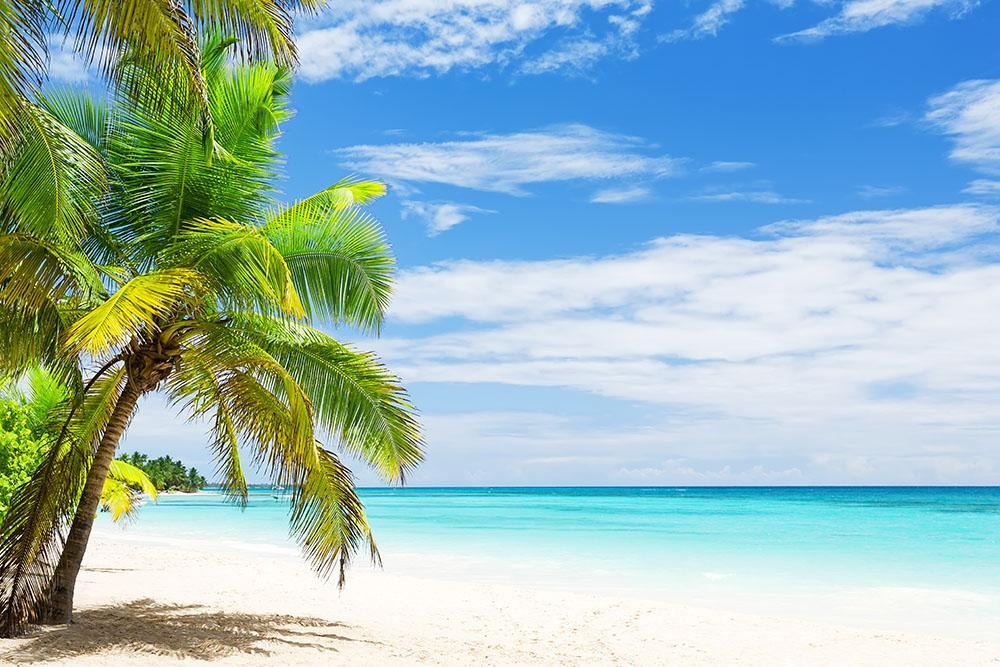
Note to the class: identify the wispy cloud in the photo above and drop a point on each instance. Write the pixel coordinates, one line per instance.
(441, 216)
(984, 187)
(66, 65)
(879, 191)
(622, 195)
(750, 196)
(708, 23)
(510, 162)
(866, 15)
(970, 114)
(360, 40)
(724, 166)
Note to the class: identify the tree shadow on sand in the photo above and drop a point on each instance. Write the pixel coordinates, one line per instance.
(182, 631)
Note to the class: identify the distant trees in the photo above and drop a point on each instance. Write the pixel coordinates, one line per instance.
(167, 474)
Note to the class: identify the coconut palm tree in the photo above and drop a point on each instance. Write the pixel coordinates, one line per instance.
(131, 248)
(159, 32)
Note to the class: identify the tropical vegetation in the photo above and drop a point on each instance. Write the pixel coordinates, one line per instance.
(165, 473)
(139, 254)
(29, 428)
(161, 34)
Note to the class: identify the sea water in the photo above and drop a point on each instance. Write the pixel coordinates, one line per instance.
(893, 550)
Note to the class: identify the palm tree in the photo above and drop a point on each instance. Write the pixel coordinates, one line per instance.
(161, 33)
(131, 247)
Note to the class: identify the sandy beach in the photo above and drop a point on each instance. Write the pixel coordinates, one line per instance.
(142, 603)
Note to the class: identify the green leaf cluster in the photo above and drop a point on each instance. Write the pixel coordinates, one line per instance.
(21, 449)
(167, 474)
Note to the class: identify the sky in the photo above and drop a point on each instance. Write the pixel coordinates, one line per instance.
(648, 242)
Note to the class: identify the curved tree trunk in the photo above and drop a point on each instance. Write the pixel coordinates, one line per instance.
(59, 609)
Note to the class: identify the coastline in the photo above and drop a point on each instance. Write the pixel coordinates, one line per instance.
(143, 603)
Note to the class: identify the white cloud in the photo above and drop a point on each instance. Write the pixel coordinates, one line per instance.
(361, 40)
(852, 347)
(753, 197)
(904, 228)
(983, 186)
(441, 216)
(970, 113)
(508, 162)
(728, 166)
(65, 64)
(878, 191)
(865, 15)
(623, 195)
(709, 22)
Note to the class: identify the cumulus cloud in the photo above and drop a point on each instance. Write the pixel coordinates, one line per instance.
(509, 162)
(441, 216)
(360, 40)
(866, 15)
(863, 337)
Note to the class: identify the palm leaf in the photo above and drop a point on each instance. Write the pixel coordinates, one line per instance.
(246, 270)
(341, 264)
(355, 398)
(132, 311)
(49, 183)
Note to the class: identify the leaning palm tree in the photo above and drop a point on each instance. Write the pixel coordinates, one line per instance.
(159, 32)
(138, 257)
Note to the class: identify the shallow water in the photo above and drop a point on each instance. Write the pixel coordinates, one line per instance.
(812, 539)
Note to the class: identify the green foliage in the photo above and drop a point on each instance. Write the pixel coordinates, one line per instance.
(21, 448)
(166, 473)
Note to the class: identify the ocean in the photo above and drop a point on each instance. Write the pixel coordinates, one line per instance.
(936, 550)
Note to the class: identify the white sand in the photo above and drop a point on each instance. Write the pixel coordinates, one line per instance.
(144, 604)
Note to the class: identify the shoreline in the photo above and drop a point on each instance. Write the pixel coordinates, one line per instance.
(142, 604)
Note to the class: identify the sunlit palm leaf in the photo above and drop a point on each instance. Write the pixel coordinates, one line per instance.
(354, 397)
(244, 267)
(123, 490)
(341, 264)
(133, 310)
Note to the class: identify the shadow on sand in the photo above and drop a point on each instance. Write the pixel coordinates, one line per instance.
(182, 631)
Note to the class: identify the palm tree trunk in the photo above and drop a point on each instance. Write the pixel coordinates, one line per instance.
(59, 609)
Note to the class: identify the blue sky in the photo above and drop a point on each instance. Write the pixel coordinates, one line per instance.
(672, 243)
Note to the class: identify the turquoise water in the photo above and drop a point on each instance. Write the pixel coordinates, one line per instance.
(648, 539)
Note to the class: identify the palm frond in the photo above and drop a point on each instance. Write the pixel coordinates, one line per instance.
(355, 398)
(22, 60)
(35, 272)
(341, 264)
(156, 33)
(133, 309)
(49, 183)
(123, 490)
(345, 193)
(245, 268)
